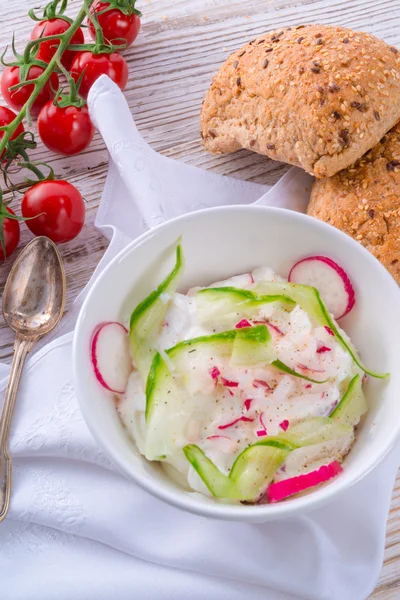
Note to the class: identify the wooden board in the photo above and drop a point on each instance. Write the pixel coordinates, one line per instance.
(181, 44)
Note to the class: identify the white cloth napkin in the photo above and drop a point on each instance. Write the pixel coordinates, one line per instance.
(79, 529)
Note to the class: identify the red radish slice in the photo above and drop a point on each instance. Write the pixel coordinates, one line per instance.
(305, 368)
(331, 281)
(261, 433)
(257, 383)
(282, 489)
(247, 403)
(329, 330)
(323, 349)
(242, 323)
(215, 372)
(262, 422)
(228, 383)
(245, 419)
(284, 425)
(219, 437)
(110, 356)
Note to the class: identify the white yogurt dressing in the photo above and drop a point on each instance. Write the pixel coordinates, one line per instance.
(268, 399)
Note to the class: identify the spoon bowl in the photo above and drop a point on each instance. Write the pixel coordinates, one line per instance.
(34, 295)
(33, 304)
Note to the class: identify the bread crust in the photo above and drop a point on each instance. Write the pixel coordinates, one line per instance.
(364, 201)
(315, 96)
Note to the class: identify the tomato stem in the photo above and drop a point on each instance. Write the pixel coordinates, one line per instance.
(40, 82)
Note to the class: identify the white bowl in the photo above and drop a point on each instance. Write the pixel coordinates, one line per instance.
(218, 243)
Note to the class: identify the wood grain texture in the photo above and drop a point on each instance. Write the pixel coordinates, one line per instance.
(181, 44)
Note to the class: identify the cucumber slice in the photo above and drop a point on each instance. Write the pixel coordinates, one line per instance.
(256, 466)
(253, 347)
(353, 404)
(225, 305)
(148, 316)
(308, 299)
(282, 367)
(250, 346)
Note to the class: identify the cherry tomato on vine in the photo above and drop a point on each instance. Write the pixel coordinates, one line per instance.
(17, 98)
(48, 49)
(116, 26)
(58, 207)
(65, 130)
(7, 116)
(94, 65)
(10, 229)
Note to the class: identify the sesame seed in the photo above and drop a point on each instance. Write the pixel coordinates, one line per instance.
(265, 63)
(212, 133)
(393, 49)
(268, 49)
(271, 146)
(336, 115)
(345, 40)
(300, 39)
(315, 69)
(235, 64)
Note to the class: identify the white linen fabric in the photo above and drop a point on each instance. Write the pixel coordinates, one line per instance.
(79, 529)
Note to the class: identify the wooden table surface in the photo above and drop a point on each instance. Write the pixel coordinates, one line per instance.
(181, 44)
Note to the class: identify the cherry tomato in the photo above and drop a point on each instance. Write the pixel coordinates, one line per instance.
(62, 207)
(17, 98)
(6, 117)
(116, 26)
(95, 65)
(66, 130)
(48, 49)
(11, 234)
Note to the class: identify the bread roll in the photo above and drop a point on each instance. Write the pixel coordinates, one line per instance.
(315, 96)
(364, 201)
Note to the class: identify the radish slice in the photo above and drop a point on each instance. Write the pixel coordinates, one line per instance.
(228, 383)
(247, 403)
(329, 279)
(242, 323)
(245, 419)
(282, 489)
(111, 358)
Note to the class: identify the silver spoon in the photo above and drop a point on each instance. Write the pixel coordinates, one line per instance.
(33, 303)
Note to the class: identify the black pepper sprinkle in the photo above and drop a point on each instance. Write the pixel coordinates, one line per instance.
(238, 81)
(235, 64)
(392, 165)
(371, 213)
(265, 63)
(346, 40)
(271, 146)
(315, 69)
(336, 115)
(300, 40)
(394, 50)
(344, 137)
(319, 42)
(333, 87)
(241, 53)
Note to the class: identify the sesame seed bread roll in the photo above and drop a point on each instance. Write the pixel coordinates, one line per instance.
(314, 96)
(364, 201)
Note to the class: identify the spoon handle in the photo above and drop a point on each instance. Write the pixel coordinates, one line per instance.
(22, 346)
